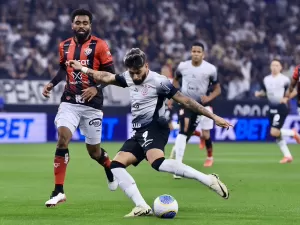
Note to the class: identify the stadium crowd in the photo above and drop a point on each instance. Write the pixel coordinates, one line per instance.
(240, 36)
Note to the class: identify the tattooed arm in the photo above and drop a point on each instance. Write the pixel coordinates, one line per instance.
(200, 109)
(99, 76)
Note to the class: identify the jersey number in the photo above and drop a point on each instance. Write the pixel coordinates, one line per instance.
(79, 99)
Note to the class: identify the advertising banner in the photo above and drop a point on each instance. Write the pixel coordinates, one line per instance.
(23, 127)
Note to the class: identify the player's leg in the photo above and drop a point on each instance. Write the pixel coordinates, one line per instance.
(66, 122)
(91, 127)
(100, 156)
(277, 120)
(187, 127)
(155, 156)
(131, 153)
(207, 125)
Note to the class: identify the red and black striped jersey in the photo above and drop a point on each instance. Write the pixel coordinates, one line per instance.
(296, 77)
(94, 53)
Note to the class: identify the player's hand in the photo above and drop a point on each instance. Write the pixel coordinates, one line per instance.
(47, 89)
(257, 94)
(74, 64)
(205, 99)
(89, 93)
(222, 122)
(284, 100)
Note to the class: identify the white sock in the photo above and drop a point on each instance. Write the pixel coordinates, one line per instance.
(180, 144)
(180, 169)
(287, 132)
(128, 185)
(283, 147)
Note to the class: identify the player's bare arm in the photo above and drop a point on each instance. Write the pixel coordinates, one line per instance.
(198, 108)
(260, 93)
(60, 75)
(99, 76)
(292, 87)
(215, 93)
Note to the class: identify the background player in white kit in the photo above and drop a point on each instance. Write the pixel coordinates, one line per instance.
(148, 91)
(275, 87)
(197, 75)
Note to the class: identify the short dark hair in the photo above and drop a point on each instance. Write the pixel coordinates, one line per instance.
(82, 12)
(199, 44)
(276, 60)
(135, 58)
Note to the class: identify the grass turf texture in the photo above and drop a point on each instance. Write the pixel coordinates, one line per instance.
(262, 190)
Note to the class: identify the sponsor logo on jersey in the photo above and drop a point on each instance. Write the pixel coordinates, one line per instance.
(87, 51)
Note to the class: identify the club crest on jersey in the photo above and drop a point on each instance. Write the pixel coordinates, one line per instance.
(144, 90)
(87, 51)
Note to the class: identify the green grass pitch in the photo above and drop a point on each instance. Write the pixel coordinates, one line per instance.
(262, 190)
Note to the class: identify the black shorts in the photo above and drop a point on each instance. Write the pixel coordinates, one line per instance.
(193, 121)
(155, 135)
(277, 115)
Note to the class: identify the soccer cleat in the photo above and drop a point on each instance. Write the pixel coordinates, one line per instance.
(296, 136)
(55, 199)
(173, 153)
(140, 211)
(208, 163)
(286, 160)
(113, 185)
(218, 187)
(202, 144)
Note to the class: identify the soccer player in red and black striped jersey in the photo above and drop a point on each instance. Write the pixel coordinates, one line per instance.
(81, 101)
(295, 81)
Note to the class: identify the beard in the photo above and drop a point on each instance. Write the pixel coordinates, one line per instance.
(138, 82)
(81, 36)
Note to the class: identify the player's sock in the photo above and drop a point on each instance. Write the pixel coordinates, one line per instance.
(180, 144)
(61, 161)
(127, 184)
(105, 162)
(197, 133)
(209, 149)
(180, 169)
(283, 147)
(287, 132)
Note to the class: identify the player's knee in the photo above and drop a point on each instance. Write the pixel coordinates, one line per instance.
(206, 135)
(275, 132)
(156, 163)
(115, 164)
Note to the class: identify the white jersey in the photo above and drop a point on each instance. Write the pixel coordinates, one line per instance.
(196, 79)
(275, 87)
(147, 99)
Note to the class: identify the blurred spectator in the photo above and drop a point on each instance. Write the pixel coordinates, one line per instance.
(240, 36)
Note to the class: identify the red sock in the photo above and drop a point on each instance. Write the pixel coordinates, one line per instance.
(209, 149)
(197, 133)
(60, 165)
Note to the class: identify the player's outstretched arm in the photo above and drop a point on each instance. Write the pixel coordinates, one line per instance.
(260, 93)
(99, 76)
(200, 109)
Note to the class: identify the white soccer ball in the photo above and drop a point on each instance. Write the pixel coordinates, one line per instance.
(165, 206)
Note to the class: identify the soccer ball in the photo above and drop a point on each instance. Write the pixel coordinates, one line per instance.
(165, 206)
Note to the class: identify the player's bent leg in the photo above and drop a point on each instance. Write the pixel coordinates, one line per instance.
(101, 156)
(209, 148)
(61, 161)
(158, 162)
(287, 157)
(128, 185)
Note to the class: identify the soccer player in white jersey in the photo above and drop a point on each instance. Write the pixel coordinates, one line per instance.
(148, 91)
(275, 87)
(197, 75)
